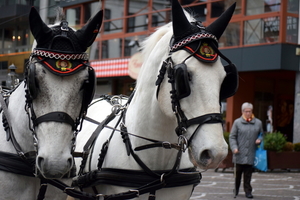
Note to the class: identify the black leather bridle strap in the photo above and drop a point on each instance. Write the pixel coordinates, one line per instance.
(8, 128)
(43, 189)
(205, 119)
(55, 117)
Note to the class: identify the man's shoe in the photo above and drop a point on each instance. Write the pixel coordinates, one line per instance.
(249, 195)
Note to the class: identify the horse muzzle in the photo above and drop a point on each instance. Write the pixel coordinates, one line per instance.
(55, 169)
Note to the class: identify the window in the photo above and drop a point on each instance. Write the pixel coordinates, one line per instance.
(261, 30)
(104, 49)
(107, 15)
(231, 35)
(111, 48)
(130, 24)
(73, 16)
(255, 7)
(4, 65)
(198, 12)
(90, 10)
(292, 29)
(217, 8)
(293, 6)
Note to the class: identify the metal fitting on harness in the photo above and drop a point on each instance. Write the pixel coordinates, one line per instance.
(137, 191)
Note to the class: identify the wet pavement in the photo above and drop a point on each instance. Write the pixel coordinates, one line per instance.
(275, 185)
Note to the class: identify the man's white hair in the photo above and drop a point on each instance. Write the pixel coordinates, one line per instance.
(247, 105)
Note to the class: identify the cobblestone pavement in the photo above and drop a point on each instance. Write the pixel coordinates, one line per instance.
(275, 185)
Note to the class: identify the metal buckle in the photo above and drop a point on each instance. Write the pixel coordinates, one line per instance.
(166, 145)
(183, 142)
(68, 188)
(162, 177)
(100, 196)
(137, 191)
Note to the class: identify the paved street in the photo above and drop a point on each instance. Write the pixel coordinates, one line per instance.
(276, 185)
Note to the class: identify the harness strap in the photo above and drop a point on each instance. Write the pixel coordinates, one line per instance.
(156, 185)
(127, 142)
(166, 145)
(106, 144)
(152, 196)
(8, 128)
(43, 189)
(56, 117)
(137, 179)
(205, 119)
(70, 190)
(90, 142)
(13, 163)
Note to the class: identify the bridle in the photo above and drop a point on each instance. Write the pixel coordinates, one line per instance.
(178, 77)
(66, 62)
(56, 116)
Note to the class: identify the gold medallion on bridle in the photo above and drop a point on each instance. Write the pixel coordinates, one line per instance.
(63, 65)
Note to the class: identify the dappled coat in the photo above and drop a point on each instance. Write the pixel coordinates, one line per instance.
(242, 137)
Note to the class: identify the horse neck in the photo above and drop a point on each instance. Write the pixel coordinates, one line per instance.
(144, 106)
(145, 118)
(19, 119)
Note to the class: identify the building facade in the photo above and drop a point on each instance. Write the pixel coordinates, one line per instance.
(262, 39)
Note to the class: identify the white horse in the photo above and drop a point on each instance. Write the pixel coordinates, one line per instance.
(163, 140)
(43, 114)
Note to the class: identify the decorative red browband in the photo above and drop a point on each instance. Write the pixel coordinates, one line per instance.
(191, 38)
(60, 56)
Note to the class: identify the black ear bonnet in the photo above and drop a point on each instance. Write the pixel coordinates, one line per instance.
(61, 50)
(202, 43)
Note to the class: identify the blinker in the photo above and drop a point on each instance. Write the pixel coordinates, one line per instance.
(181, 77)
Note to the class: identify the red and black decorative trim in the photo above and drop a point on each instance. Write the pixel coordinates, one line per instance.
(62, 67)
(191, 39)
(204, 53)
(59, 56)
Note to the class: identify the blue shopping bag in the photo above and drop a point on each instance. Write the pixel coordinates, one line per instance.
(260, 161)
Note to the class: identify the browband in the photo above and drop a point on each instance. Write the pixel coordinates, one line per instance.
(59, 55)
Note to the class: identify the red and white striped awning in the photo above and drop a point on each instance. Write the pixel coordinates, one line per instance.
(111, 68)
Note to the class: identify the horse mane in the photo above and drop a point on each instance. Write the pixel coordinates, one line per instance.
(150, 42)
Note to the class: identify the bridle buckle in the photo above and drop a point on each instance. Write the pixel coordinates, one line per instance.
(183, 142)
(166, 145)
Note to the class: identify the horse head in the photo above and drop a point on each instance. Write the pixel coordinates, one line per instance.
(199, 82)
(59, 86)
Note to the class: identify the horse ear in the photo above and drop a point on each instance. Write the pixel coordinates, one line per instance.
(219, 25)
(180, 23)
(87, 34)
(41, 32)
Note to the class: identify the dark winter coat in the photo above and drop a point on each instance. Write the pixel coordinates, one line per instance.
(242, 137)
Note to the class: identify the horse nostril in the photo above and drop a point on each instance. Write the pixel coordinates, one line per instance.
(205, 157)
(40, 162)
(70, 162)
